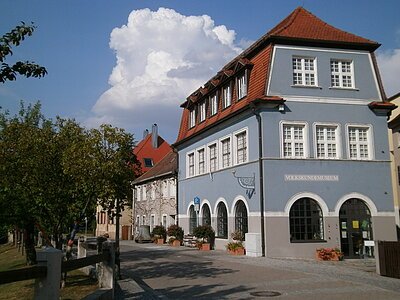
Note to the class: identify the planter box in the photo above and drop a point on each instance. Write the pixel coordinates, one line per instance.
(333, 256)
(239, 251)
(176, 243)
(205, 247)
(160, 241)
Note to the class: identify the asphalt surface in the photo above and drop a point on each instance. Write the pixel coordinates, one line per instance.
(152, 271)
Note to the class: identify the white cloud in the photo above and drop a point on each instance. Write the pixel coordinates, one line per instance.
(162, 56)
(389, 67)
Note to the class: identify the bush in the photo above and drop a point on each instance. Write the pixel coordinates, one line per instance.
(159, 232)
(204, 232)
(232, 246)
(176, 232)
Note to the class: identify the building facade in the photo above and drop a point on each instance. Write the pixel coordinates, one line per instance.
(154, 201)
(149, 151)
(394, 144)
(289, 140)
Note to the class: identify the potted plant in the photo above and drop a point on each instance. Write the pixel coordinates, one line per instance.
(236, 246)
(159, 233)
(328, 254)
(205, 235)
(175, 234)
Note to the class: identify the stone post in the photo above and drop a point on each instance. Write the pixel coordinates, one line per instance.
(106, 268)
(81, 248)
(253, 245)
(49, 286)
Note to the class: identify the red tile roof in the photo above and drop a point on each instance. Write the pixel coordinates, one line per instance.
(145, 150)
(300, 27)
(165, 167)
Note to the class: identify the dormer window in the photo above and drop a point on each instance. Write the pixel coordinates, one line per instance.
(242, 85)
(192, 118)
(213, 105)
(202, 108)
(304, 71)
(226, 96)
(148, 162)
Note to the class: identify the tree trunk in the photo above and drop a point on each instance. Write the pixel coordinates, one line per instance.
(30, 244)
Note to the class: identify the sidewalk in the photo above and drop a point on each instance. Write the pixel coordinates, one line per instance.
(171, 270)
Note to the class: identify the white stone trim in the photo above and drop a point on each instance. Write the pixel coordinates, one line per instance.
(205, 202)
(318, 199)
(234, 145)
(370, 204)
(226, 206)
(188, 208)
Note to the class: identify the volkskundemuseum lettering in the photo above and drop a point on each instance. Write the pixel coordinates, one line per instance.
(293, 177)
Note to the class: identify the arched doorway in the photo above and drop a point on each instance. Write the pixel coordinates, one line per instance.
(241, 224)
(355, 227)
(206, 215)
(192, 219)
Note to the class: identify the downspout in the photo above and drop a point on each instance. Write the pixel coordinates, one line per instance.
(261, 175)
(176, 187)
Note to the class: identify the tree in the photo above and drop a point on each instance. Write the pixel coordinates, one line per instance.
(27, 69)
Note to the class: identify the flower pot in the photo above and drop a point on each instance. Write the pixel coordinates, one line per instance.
(160, 241)
(176, 243)
(205, 247)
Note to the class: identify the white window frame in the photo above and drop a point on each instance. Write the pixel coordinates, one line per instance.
(166, 221)
(153, 191)
(226, 96)
(144, 192)
(303, 71)
(341, 74)
(220, 148)
(199, 161)
(305, 139)
(337, 140)
(188, 155)
(202, 111)
(213, 104)
(138, 193)
(235, 146)
(192, 117)
(370, 141)
(214, 143)
(152, 222)
(242, 85)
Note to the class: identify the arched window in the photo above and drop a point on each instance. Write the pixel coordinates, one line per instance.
(222, 221)
(306, 221)
(192, 219)
(241, 218)
(206, 215)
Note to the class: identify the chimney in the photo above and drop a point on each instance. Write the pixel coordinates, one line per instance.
(145, 133)
(154, 136)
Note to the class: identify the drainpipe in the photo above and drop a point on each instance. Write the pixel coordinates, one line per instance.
(261, 175)
(176, 173)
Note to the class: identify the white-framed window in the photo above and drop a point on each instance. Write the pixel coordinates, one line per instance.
(226, 96)
(294, 139)
(192, 118)
(327, 141)
(190, 164)
(213, 104)
(144, 193)
(342, 75)
(242, 85)
(304, 71)
(213, 157)
(202, 108)
(172, 188)
(359, 142)
(226, 152)
(240, 146)
(201, 161)
(138, 193)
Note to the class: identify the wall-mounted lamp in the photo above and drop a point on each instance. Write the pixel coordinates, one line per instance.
(281, 107)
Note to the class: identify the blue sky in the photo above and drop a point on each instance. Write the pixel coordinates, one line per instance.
(140, 74)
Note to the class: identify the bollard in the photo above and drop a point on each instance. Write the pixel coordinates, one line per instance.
(49, 286)
(106, 268)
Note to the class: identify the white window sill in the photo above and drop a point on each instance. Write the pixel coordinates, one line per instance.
(306, 86)
(343, 88)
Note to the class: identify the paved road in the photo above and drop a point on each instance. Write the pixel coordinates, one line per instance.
(161, 272)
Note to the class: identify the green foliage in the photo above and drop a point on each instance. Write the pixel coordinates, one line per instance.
(159, 232)
(204, 232)
(232, 246)
(175, 231)
(27, 69)
(237, 235)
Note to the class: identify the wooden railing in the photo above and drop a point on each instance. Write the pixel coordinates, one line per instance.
(23, 274)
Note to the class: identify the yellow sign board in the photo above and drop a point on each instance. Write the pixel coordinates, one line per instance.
(355, 225)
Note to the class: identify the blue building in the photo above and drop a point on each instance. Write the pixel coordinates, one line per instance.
(289, 141)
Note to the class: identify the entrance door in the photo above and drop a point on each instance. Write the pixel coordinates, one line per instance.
(355, 227)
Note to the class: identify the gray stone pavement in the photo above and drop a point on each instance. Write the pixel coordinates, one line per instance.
(161, 272)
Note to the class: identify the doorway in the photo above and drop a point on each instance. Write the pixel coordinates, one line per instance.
(355, 228)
